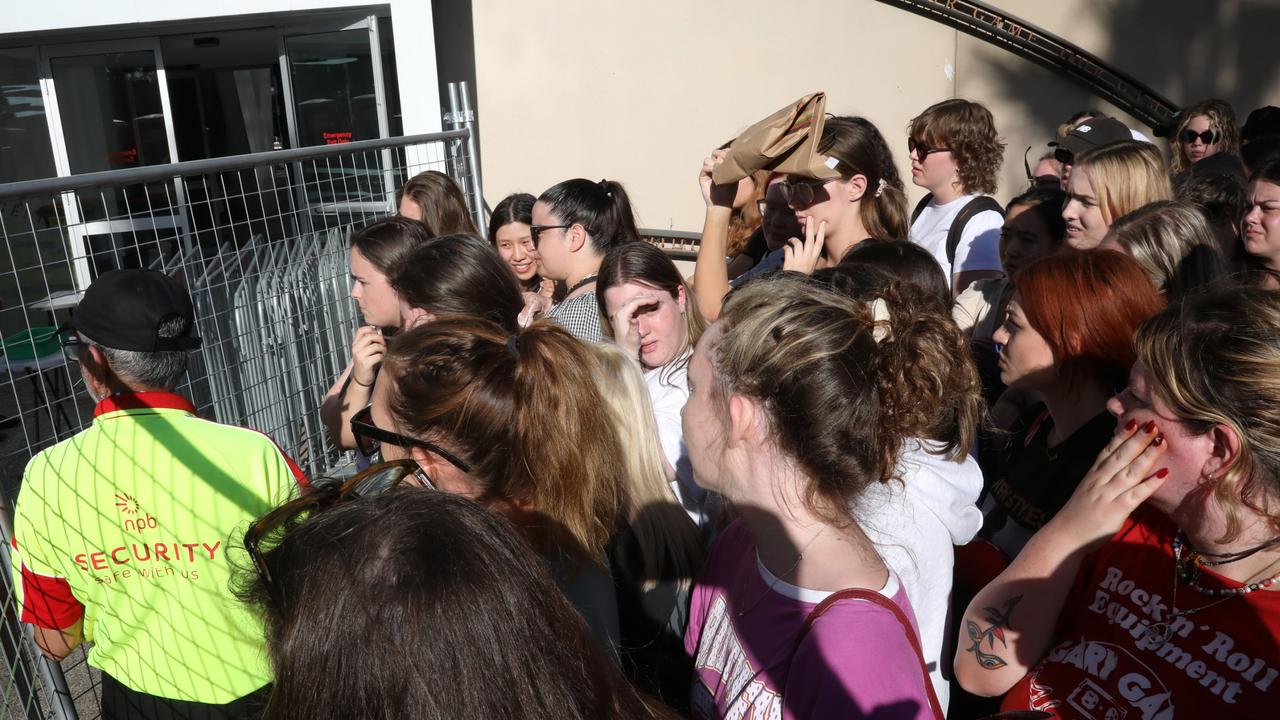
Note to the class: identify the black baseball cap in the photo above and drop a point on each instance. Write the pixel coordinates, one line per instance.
(123, 310)
(1092, 133)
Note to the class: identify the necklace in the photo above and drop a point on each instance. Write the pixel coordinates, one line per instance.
(584, 281)
(1160, 633)
(778, 578)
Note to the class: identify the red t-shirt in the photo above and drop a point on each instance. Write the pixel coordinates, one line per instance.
(1222, 662)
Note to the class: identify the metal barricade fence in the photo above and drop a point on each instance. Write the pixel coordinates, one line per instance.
(260, 241)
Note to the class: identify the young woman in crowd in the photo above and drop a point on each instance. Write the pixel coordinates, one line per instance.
(431, 607)
(376, 250)
(1203, 130)
(647, 311)
(656, 553)
(1260, 227)
(515, 422)
(1110, 181)
(1033, 228)
(917, 520)
(1173, 243)
(1154, 588)
(865, 203)
(436, 201)
(800, 399)
(778, 225)
(509, 233)
(574, 224)
(1066, 337)
(746, 245)
(455, 275)
(956, 155)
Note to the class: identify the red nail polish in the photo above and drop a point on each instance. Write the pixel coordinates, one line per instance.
(1129, 426)
(1150, 427)
(1162, 473)
(1158, 441)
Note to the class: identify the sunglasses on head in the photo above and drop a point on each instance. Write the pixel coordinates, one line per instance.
(803, 192)
(1208, 137)
(369, 439)
(922, 149)
(536, 230)
(325, 493)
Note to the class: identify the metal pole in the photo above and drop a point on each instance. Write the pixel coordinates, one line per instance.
(473, 160)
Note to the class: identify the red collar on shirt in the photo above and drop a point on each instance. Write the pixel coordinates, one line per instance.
(142, 401)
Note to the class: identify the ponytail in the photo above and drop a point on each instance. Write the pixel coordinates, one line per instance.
(524, 411)
(602, 208)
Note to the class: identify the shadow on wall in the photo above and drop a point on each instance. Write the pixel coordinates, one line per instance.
(1184, 51)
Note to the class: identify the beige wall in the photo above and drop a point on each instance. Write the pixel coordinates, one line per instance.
(641, 92)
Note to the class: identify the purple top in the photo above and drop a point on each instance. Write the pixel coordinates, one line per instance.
(855, 661)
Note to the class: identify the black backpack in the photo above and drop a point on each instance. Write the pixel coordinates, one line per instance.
(979, 204)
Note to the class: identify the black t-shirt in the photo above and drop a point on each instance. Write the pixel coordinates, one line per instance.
(1027, 482)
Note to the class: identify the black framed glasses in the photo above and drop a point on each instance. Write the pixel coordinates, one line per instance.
(922, 149)
(325, 493)
(1064, 156)
(536, 230)
(369, 439)
(803, 193)
(1208, 137)
(72, 346)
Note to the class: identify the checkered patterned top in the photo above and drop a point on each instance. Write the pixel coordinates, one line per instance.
(580, 316)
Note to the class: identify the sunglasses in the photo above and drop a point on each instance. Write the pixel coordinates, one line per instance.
(536, 230)
(1066, 157)
(922, 150)
(803, 193)
(369, 439)
(325, 493)
(1208, 137)
(72, 346)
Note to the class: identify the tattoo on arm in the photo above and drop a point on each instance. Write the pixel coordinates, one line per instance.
(999, 621)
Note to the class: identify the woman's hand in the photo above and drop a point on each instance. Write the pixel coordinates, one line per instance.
(547, 288)
(1126, 473)
(712, 194)
(803, 256)
(535, 304)
(367, 350)
(625, 332)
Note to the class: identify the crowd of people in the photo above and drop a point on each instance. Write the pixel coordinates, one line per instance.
(965, 460)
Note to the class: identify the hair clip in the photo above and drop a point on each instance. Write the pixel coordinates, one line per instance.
(880, 187)
(604, 185)
(513, 347)
(880, 318)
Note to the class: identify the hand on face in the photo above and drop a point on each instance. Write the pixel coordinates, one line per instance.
(802, 256)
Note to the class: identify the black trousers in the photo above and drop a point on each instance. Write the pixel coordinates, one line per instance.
(122, 703)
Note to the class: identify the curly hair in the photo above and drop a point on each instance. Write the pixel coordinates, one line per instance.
(967, 129)
(1221, 116)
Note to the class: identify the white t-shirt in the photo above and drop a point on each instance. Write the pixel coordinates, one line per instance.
(979, 247)
(668, 392)
(915, 525)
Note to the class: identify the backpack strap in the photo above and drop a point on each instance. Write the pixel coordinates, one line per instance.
(920, 206)
(875, 598)
(981, 203)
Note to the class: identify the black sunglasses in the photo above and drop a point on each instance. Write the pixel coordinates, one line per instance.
(1064, 156)
(325, 493)
(369, 439)
(922, 150)
(1208, 137)
(72, 346)
(536, 230)
(803, 193)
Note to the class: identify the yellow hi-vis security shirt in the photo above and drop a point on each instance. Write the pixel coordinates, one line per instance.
(135, 524)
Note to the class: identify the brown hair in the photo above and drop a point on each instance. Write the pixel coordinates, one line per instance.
(746, 220)
(1086, 305)
(1221, 116)
(647, 265)
(1173, 243)
(524, 410)
(444, 207)
(861, 150)
(386, 242)
(459, 275)
(842, 385)
(967, 129)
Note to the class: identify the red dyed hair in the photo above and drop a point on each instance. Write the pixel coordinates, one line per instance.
(1087, 305)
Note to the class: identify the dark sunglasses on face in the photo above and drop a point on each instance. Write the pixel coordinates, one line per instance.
(803, 193)
(72, 346)
(369, 439)
(922, 150)
(325, 493)
(1208, 137)
(536, 230)
(1066, 157)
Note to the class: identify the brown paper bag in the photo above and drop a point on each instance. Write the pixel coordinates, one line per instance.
(785, 142)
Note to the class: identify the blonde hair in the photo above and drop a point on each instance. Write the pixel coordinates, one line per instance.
(1221, 116)
(1214, 358)
(665, 533)
(1125, 176)
(1164, 237)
